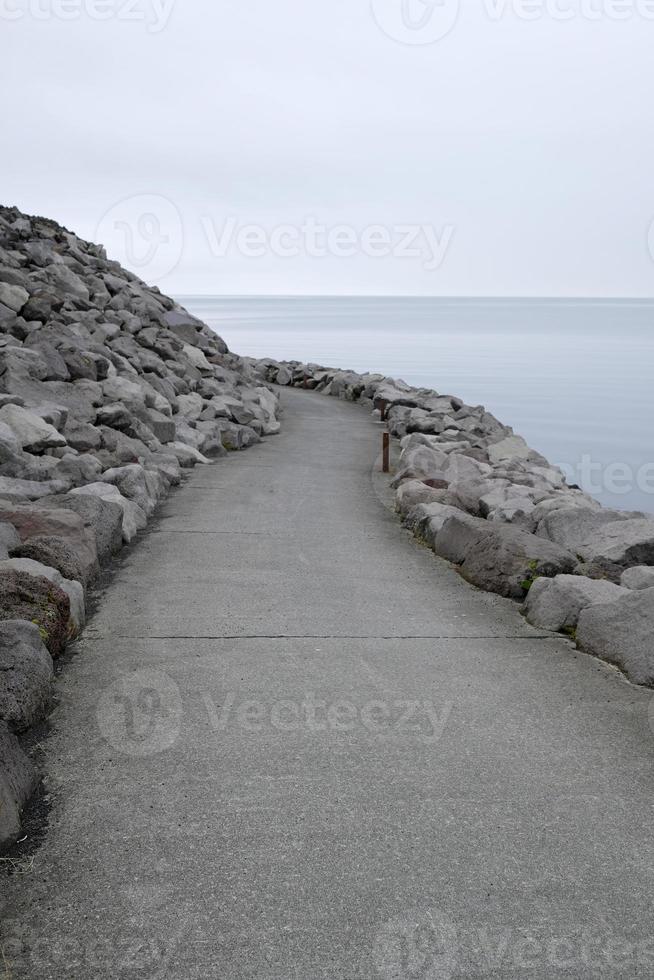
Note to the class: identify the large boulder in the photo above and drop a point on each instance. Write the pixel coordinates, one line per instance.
(13, 296)
(103, 518)
(421, 463)
(512, 447)
(30, 489)
(427, 520)
(508, 560)
(73, 589)
(76, 557)
(39, 601)
(25, 675)
(31, 432)
(626, 542)
(67, 282)
(18, 780)
(458, 535)
(82, 436)
(555, 603)
(622, 633)
(622, 537)
(410, 493)
(497, 557)
(133, 518)
(128, 393)
(132, 483)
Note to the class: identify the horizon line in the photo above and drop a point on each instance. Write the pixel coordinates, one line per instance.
(414, 296)
(453, 296)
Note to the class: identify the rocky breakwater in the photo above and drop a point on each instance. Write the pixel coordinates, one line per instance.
(109, 393)
(481, 498)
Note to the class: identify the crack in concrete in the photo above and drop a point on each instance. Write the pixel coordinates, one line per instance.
(331, 636)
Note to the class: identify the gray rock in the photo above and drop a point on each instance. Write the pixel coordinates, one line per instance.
(19, 365)
(162, 426)
(186, 456)
(235, 436)
(511, 447)
(103, 518)
(133, 518)
(600, 533)
(458, 535)
(25, 675)
(622, 633)
(167, 465)
(77, 469)
(77, 549)
(115, 415)
(183, 324)
(80, 364)
(124, 390)
(31, 489)
(637, 578)
(18, 780)
(410, 493)
(555, 603)
(197, 359)
(421, 463)
(36, 600)
(131, 482)
(54, 552)
(31, 431)
(56, 415)
(7, 317)
(14, 297)
(427, 520)
(499, 558)
(82, 436)
(9, 538)
(74, 590)
(508, 560)
(628, 542)
(66, 282)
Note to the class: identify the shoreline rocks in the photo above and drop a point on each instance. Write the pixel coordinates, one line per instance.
(110, 393)
(476, 494)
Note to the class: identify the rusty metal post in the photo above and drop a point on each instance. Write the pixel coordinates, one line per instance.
(386, 453)
(304, 381)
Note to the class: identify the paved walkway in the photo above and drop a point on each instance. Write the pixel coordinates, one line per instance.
(295, 745)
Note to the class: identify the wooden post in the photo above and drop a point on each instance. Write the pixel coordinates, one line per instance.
(386, 453)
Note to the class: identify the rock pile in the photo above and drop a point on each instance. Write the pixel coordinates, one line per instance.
(109, 393)
(481, 498)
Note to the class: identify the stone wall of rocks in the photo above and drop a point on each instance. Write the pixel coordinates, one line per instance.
(109, 393)
(481, 498)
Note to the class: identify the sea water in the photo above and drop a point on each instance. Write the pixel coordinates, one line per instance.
(574, 377)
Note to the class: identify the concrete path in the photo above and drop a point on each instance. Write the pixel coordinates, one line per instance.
(295, 745)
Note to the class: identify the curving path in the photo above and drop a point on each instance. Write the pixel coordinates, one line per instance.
(295, 745)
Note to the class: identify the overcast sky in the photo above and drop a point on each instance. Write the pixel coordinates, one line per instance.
(342, 146)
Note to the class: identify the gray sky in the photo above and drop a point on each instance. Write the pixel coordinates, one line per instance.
(463, 152)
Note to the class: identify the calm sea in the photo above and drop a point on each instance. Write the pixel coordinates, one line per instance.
(575, 378)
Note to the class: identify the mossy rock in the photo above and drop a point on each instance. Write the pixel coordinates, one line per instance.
(39, 601)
